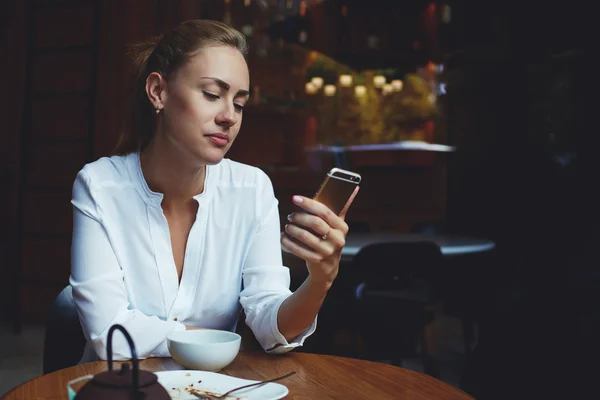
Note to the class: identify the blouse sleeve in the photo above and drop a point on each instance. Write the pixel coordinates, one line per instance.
(98, 286)
(266, 281)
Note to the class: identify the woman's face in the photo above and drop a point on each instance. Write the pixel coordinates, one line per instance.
(203, 103)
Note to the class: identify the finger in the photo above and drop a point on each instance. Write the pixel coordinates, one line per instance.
(320, 210)
(349, 203)
(283, 235)
(324, 247)
(292, 247)
(310, 222)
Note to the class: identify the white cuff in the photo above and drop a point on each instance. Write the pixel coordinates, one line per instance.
(283, 346)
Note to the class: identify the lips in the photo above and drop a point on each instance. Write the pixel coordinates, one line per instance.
(219, 138)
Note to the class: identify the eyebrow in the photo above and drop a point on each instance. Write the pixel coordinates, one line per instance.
(227, 86)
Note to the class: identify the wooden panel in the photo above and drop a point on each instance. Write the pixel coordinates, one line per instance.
(13, 41)
(62, 72)
(67, 25)
(65, 117)
(36, 301)
(55, 164)
(48, 211)
(8, 244)
(120, 23)
(46, 258)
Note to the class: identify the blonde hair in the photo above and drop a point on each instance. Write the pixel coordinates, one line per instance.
(165, 54)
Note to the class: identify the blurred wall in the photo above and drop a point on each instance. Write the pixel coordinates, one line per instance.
(13, 38)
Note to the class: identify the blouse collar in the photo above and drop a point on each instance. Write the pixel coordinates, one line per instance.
(155, 198)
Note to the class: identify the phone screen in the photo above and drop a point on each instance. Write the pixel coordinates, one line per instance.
(337, 188)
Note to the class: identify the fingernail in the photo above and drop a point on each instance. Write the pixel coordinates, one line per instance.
(285, 227)
(289, 217)
(297, 199)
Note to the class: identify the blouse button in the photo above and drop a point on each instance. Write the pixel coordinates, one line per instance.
(175, 319)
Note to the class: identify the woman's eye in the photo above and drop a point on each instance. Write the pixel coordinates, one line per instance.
(210, 96)
(239, 107)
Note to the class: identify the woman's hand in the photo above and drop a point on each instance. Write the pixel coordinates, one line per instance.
(317, 236)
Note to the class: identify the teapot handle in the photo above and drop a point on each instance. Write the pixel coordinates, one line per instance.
(134, 358)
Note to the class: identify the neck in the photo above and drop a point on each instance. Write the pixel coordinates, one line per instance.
(166, 171)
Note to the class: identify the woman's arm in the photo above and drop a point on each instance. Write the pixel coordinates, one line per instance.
(266, 282)
(99, 289)
(317, 236)
(299, 310)
(279, 319)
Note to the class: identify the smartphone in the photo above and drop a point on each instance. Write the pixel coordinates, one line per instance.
(336, 189)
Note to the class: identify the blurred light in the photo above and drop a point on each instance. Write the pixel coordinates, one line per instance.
(397, 85)
(378, 81)
(431, 98)
(446, 13)
(227, 1)
(442, 88)
(303, 37)
(387, 89)
(317, 81)
(302, 10)
(360, 90)
(346, 80)
(373, 41)
(247, 2)
(247, 30)
(329, 90)
(310, 88)
(289, 4)
(344, 11)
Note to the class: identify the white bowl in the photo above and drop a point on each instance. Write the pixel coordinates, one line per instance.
(205, 350)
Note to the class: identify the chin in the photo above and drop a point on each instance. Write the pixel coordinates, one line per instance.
(211, 156)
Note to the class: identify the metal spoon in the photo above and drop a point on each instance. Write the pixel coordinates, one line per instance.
(224, 395)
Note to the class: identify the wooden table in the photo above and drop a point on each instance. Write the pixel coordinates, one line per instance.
(318, 377)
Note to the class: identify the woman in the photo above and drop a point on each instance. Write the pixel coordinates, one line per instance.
(169, 235)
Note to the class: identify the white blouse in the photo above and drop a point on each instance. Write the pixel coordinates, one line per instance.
(123, 271)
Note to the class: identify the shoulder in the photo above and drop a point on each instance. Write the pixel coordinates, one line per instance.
(107, 171)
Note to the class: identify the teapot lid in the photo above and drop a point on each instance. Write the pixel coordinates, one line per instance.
(124, 378)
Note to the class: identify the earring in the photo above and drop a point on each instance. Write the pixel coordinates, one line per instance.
(157, 110)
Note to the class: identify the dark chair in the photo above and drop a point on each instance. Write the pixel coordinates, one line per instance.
(64, 340)
(455, 307)
(395, 297)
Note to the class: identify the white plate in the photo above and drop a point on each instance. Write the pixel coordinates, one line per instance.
(179, 384)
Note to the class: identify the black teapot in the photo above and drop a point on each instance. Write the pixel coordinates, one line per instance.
(126, 384)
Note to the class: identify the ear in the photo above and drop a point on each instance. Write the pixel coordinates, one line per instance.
(155, 88)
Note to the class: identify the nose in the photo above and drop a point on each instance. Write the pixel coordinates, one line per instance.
(228, 116)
